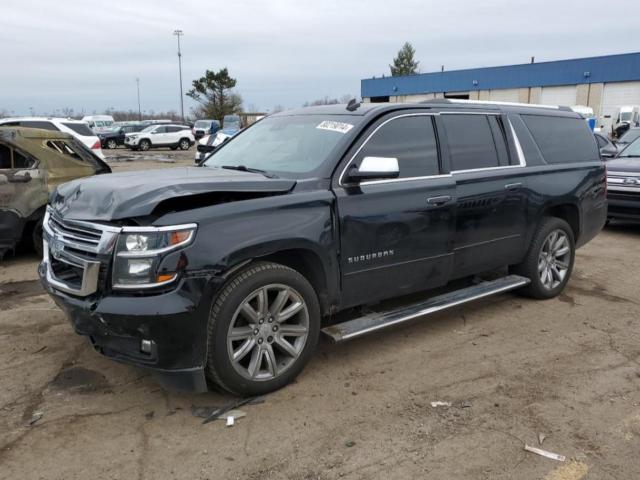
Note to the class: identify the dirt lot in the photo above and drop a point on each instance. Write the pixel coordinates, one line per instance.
(513, 368)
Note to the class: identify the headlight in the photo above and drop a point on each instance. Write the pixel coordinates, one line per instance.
(140, 250)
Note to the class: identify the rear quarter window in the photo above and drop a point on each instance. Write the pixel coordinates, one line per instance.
(44, 125)
(562, 139)
(80, 128)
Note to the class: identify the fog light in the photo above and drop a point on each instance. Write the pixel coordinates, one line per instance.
(145, 346)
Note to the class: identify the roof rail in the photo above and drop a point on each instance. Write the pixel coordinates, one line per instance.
(490, 102)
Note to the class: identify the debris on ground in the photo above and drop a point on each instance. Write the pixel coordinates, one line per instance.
(203, 412)
(541, 437)
(149, 415)
(350, 444)
(219, 412)
(545, 453)
(465, 404)
(34, 418)
(439, 403)
(230, 420)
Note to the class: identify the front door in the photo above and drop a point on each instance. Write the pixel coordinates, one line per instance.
(396, 235)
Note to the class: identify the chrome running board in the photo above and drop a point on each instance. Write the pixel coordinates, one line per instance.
(379, 320)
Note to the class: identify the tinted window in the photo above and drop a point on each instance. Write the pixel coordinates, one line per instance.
(470, 141)
(161, 130)
(80, 129)
(411, 140)
(38, 124)
(174, 129)
(562, 139)
(602, 142)
(5, 156)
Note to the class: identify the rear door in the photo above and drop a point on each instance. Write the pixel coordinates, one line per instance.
(21, 182)
(491, 189)
(396, 234)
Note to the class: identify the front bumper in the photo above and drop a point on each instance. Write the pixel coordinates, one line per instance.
(173, 323)
(624, 205)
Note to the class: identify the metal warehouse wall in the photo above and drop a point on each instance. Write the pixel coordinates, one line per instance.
(610, 68)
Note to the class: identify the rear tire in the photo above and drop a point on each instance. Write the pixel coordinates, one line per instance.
(184, 144)
(144, 145)
(263, 328)
(549, 260)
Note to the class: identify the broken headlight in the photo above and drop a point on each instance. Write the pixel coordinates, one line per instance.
(139, 251)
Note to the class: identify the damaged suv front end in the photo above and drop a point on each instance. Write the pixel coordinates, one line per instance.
(127, 290)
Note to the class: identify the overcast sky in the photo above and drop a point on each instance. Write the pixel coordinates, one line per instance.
(86, 55)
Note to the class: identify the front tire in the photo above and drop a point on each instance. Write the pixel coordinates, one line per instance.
(549, 261)
(112, 144)
(263, 328)
(144, 145)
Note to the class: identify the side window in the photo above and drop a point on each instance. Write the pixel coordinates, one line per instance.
(173, 129)
(39, 124)
(601, 141)
(161, 130)
(562, 139)
(21, 161)
(5, 156)
(411, 140)
(471, 142)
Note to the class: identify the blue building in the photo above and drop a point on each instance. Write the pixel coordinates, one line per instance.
(603, 83)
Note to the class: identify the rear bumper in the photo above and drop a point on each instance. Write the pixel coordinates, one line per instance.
(173, 323)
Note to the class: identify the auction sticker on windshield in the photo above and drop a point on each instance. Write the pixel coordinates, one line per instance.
(339, 127)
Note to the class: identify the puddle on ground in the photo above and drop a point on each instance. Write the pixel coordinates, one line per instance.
(80, 380)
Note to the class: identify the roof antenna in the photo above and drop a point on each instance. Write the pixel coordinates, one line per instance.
(353, 105)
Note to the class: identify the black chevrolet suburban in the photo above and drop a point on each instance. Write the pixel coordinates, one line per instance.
(226, 273)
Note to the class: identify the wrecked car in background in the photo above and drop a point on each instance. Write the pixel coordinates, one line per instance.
(32, 163)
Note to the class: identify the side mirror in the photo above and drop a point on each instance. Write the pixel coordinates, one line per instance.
(608, 152)
(375, 168)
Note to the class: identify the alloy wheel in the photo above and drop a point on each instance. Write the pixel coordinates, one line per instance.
(554, 259)
(268, 332)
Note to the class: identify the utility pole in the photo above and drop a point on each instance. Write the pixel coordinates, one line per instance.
(178, 33)
(139, 111)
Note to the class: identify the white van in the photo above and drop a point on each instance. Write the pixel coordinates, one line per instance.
(99, 123)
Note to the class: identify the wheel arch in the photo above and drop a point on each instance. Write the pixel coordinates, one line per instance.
(569, 212)
(304, 260)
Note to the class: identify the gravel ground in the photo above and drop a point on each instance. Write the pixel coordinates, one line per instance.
(513, 369)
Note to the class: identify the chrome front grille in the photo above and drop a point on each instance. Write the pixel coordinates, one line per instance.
(75, 252)
(623, 182)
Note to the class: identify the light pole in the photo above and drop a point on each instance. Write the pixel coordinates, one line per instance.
(178, 33)
(139, 111)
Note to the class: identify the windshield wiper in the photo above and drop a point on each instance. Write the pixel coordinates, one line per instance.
(243, 168)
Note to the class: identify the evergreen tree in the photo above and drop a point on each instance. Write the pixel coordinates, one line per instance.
(404, 63)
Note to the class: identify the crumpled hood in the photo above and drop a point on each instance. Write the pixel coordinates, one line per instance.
(622, 164)
(130, 194)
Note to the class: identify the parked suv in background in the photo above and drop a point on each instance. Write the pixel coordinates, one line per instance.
(155, 136)
(116, 136)
(230, 270)
(78, 129)
(623, 182)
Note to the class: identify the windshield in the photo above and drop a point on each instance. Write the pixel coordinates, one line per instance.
(285, 145)
(231, 121)
(630, 135)
(625, 116)
(633, 150)
(202, 124)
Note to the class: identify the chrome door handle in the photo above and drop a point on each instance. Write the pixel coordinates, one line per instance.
(439, 200)
(513, 186)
